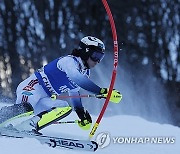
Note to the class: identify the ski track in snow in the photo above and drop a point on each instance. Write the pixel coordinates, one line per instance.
(117, 126)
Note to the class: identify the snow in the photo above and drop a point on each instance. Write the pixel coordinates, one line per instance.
(118, 127)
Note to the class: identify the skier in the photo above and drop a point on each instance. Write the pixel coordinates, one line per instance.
(64, 74)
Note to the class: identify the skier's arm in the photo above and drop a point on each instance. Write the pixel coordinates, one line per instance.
(70, 67)
(82, 81)
(76, 102)
(87, 84)
(83, 115)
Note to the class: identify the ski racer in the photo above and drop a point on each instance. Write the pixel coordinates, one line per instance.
(64, 74)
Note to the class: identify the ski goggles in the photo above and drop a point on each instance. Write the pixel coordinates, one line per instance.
(97, 56)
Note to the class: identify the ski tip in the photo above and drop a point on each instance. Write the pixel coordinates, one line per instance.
(96, 145)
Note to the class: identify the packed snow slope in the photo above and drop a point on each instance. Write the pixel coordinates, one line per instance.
(127, 135)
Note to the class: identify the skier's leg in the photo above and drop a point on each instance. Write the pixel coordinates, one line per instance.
(30, 91)
(9, 112)
(48, 111)
(28, 94)
(48, 117)
(46, 104)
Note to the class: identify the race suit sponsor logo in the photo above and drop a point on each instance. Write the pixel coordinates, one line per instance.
(28, 88)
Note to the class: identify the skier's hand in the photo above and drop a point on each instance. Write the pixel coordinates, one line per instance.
(116, 96)
(86, 121)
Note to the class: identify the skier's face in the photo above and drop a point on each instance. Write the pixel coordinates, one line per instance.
(91, 63)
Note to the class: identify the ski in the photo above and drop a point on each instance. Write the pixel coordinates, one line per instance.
(54, 142)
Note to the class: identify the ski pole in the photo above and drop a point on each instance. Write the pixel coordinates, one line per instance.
(54, 97)
(66, 122)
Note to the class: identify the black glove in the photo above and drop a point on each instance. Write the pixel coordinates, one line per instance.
(85, 117)
(103, 91)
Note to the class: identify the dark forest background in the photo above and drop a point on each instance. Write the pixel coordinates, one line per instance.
(34, 32)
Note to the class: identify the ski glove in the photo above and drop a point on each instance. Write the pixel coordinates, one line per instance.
(86, 121)
(116, 96)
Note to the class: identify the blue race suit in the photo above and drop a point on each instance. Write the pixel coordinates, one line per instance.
(66, 74)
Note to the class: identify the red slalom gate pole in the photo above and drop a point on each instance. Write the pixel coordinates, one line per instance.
(114, 72)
